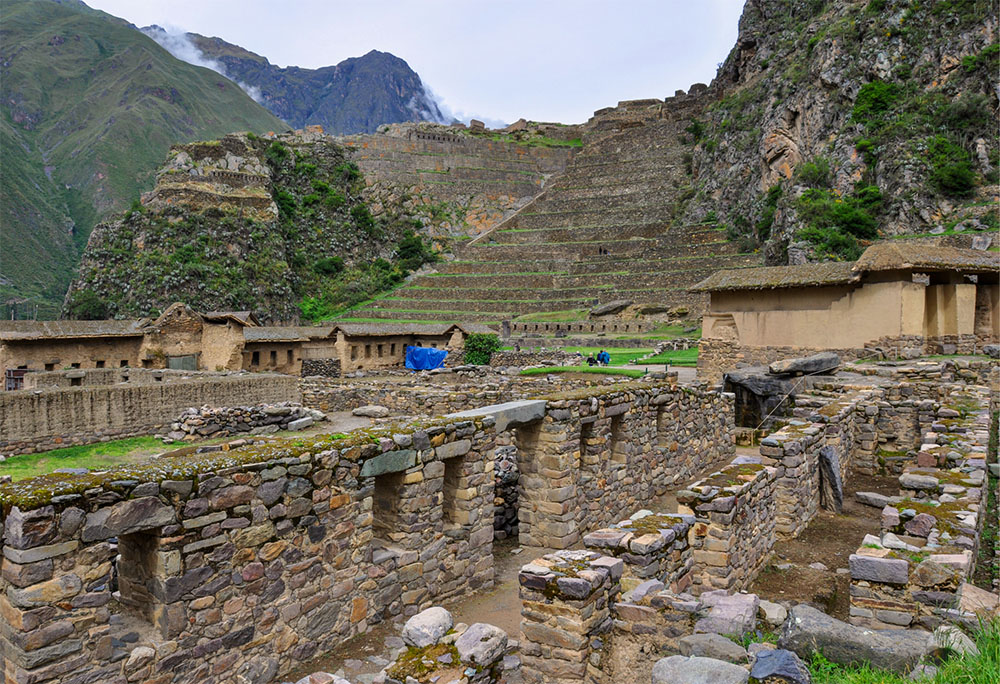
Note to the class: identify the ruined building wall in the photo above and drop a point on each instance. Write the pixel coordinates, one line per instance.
(36, 420)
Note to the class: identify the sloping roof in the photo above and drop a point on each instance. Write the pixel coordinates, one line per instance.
(469, 328)
(40, 330)
(273, 334)
(772, 277)
(244, 318)
(905, 256)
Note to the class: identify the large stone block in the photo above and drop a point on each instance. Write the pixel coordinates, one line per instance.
(389, 462)
(126, 517)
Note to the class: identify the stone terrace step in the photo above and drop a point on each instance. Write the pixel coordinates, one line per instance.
(491, 293)
(618, 202)
(715, 261)
(511, 266)
(567, 250)
(518, 236)
(483, 280)
(498, 305)
(596, 217)
(428, 316)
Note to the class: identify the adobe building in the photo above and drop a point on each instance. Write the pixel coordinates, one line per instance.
(905, 299)
(183, 339)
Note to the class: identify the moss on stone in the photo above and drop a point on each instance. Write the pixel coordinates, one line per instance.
(418, 662)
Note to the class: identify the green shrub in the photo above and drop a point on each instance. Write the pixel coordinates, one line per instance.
(767, 216)
(334, 200)
(874, 101)
(329, 266)
(815, 174)
(697, 129)
(412, 252)
(951, 171)
(287, 206)
(86, 305)
(276, 153)
(832, 243)
(310, 199)
(348, 171)
(479, 348)
(867, 150)
(986, 61)
(363, 218)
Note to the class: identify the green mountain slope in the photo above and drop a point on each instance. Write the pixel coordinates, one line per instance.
(89, 108)
(356, 96)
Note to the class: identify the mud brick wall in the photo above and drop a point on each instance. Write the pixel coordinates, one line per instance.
(600, 454)
(653, 546)
(329, 368)
(566, 600)
(36, 420)
(247, 561)
(733, 532)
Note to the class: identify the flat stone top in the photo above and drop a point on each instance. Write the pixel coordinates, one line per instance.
(507, 414)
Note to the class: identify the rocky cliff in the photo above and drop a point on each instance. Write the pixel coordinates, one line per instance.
(832, 124)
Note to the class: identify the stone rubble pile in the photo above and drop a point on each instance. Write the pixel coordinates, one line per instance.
(214, 421)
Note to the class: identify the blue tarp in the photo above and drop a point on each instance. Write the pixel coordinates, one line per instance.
(424, 358)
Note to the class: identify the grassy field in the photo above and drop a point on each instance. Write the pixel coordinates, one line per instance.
(99, 456)
(619, 357)
(596, 370)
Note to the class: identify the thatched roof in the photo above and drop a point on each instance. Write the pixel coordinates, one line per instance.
(773, 277)
(41, 330)
(898, 256)
(885, 256)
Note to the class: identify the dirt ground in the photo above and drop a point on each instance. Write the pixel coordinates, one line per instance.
(828, 539)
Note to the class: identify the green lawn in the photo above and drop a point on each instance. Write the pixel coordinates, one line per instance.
(619, 357)
(597, 370)
(99, 456)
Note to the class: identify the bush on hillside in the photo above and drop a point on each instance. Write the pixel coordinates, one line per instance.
(479, 348)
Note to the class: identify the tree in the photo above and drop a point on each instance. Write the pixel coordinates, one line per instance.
(479, 348)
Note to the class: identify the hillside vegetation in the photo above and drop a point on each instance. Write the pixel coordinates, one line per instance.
(295, 241)
(90, 107)
(839, 123)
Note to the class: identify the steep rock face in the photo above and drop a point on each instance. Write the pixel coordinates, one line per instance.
(356, 96)
(89, 108)
(246, 223)
(837, 123)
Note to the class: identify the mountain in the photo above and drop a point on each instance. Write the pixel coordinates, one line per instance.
(835, 123)
(88, 109)
(275, 226)
(356, 96)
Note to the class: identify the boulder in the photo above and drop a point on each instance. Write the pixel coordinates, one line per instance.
(824, 362)
(611, 307)
(481, 644)
(808, 630)
(831, 488)
(879, 569)
(697, 670)
(992, 350)
(712, 646)
(780, 667)
(951, 638)
(774, 614)
(427, 626)
(873, 499)
(914, 481)
(300, 423)
(728, 614)
(371, 411)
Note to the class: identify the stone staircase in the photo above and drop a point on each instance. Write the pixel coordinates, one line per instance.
(602, 230)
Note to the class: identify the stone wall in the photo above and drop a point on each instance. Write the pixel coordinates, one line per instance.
(212, 421)
(36, 420)
(733, 532)
(328, 368)
(653, 546)
(248, 561)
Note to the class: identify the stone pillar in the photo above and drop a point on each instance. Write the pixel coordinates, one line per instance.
(566, 600)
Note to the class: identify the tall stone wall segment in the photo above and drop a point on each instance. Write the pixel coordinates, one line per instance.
(36, 420)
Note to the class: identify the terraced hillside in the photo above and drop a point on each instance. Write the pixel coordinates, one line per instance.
(603, 230)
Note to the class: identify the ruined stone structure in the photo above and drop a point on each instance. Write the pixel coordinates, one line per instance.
(905, 299)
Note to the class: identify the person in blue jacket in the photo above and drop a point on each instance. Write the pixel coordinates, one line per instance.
(604, 357)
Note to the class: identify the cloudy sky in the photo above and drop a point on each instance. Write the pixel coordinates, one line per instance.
(549, 60)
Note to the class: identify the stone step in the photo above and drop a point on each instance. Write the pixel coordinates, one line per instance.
(510, 266)
(489, 292)
(563, 250)
(462, 281)
(520, 236)
(499, 306)
(717, 260)
(595, 217)
(634, 188)
(426, 316)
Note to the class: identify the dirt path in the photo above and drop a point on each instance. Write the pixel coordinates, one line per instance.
(828, 539)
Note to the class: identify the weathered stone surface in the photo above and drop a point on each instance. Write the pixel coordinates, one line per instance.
(371, 411)
(695, 670)
(481, 644)
(46, 593)
(831, 492)
(24, 529)
(389, 462)
(887, 570)
(774, 614)
(930, 574)
(808, 630)
(918, 482)
(426, 627)
(728, 613)
(920, 525)
(300, 424)
(780, 667)
(509, 414)
(452, 449)
(712, 646)
(126, 517)
(951, 638)
(39, 553)
(824, 362)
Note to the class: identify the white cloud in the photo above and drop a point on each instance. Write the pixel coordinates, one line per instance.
(176, 42)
